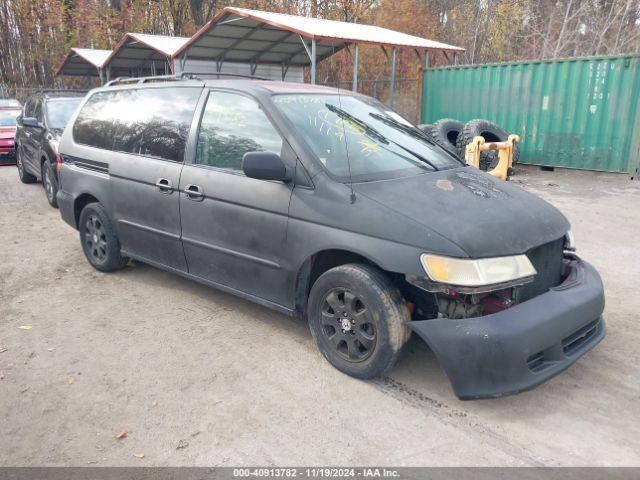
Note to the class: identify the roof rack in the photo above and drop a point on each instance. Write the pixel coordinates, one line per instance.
(196, 76)
(132, 80)
(60, 90)
(176, 78)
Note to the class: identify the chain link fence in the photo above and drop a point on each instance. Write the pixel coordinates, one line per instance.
(405, 98)
(22, 93)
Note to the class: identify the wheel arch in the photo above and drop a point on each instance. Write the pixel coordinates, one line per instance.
(317, 264)
(80, 202)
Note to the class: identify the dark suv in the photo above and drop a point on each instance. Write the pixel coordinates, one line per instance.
(43, 119)
(329, 206)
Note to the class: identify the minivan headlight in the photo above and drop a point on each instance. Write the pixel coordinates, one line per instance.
(476, 272)
(569, 242)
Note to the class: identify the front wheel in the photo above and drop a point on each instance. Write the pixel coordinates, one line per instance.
(357, 318)
(99, 240)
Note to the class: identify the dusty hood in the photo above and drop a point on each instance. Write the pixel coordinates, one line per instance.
(484, 216)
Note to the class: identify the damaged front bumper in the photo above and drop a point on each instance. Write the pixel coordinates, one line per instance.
(519, 348)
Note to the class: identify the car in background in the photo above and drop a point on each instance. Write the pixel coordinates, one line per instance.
(39, 129)
(8, 123)
(10, 103)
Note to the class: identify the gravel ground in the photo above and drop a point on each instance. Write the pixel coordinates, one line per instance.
(199, 377)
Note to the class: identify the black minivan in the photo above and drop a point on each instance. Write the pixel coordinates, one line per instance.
(44, 116)
(330, 206)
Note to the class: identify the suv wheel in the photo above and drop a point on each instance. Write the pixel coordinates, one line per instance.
(49, 184)
(99, 240)
(25, 177)
(357, 318)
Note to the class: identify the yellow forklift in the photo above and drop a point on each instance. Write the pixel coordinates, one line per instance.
(504, 167)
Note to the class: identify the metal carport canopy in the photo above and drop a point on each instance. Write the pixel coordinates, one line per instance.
(85, 62)
(242, 35)
(140, 53)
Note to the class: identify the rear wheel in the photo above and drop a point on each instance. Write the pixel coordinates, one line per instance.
(99, 240)
(357, 318)
(49, 184)
(25, 177)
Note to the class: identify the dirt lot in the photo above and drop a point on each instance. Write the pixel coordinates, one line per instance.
(199, 377)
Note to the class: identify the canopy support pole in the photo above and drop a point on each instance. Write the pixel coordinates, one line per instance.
(312, 56)
(313, 61)
(355, 69)
(392, 82)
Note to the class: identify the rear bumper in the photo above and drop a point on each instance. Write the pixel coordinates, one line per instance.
(518, 349)
(65, 205)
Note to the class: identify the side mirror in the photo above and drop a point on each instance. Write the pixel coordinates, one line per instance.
(31, 122)
(264, 166)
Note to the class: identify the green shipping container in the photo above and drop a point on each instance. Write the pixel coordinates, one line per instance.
(574, 113)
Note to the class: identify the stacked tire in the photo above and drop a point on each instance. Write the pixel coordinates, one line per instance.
(445, 133)
(454, 136)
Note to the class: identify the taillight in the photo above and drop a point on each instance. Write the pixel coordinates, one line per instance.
(58, 162)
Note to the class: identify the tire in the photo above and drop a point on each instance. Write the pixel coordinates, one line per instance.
(357, 319)
(49, 184)
(446, 132)
(427, 130)
(25, 177)
(99, 241)
(491, 133)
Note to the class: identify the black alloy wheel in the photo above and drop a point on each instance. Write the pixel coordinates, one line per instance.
(347, 324)
(95, 238)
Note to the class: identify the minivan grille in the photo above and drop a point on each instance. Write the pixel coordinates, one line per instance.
(547, 260)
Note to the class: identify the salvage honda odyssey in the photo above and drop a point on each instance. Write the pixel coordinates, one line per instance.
(329, 206)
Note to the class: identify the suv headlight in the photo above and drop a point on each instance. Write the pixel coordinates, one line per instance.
(54, 145)
(476, 272)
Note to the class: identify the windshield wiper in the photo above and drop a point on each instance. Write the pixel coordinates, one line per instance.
(367, 128)
(413, 131)
(375, 133)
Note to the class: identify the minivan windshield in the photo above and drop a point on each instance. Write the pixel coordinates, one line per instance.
(360, 139)
(59, 111)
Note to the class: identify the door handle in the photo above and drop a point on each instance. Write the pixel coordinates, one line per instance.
(194, 192)
(164, 185)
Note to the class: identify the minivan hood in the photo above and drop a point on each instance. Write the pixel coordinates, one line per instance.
(484, 216)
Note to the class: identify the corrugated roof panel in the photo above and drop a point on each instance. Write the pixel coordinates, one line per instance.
(259, 31)
(344, 31)
(163, 44)
(93, 56)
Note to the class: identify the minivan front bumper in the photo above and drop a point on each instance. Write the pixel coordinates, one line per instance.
(519, 348)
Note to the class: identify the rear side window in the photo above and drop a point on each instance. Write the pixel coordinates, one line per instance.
(29, 107)
(153, 122)
(95, 123)
(37, 110)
